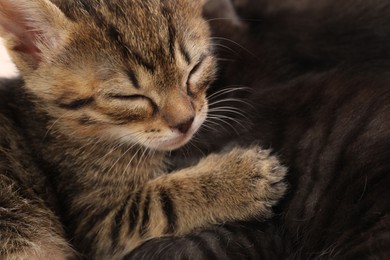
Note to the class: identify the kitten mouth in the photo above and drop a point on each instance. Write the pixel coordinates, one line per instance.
(177, 142)
(179, 139)
(176, 139)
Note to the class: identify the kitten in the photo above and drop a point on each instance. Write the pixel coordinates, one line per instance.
(316, 76)
(107, 87)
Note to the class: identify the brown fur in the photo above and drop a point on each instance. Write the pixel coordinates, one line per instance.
(107, 87)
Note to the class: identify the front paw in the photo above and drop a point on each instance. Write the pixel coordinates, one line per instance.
(253, 181)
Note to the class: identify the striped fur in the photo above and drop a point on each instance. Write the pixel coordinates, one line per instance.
(107, 87)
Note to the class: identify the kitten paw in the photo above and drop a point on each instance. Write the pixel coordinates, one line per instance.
(256, 180)
(269, 185)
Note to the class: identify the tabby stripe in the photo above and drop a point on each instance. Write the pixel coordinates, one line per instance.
(97, 16)
(118, 223)
(77, 104)
(97, 219)
(133, 79)
(145, 216)
(86, 5)
(86, 120)
(114, 34)
(88, 225)
(171, 40)
(117, 37)
(171, 31)
(169, 211)
(134, 212)
(141, 61)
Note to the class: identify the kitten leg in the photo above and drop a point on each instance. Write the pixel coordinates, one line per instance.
(238, 185)
(28, 230)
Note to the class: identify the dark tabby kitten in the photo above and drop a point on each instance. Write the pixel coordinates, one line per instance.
(319, 77)
(106, 88)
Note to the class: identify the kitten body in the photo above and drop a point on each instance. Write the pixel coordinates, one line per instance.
(107, 87)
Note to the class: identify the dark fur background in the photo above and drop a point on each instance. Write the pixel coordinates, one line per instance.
(318, 73)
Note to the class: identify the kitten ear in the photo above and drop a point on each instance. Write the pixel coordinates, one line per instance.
(32, 29)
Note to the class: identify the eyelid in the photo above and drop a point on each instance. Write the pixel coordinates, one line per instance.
(126, 97)
(197, 66)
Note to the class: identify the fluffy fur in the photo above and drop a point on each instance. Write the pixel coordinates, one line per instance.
(107, 87)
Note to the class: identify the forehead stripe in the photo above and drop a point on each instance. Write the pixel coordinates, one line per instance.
(133, 79)
(115, 35)
(171, 30)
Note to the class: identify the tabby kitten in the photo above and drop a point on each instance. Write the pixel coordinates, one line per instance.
(106, 88)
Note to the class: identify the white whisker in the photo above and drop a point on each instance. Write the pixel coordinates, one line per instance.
(221, 119)
(226, 48)
(228, 90)
(52, 125)
(231, 100)
(237, 44)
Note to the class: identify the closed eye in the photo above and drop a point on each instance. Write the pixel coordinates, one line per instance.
(196, 67)
(192, 76)
(126, 97)
(123, 97)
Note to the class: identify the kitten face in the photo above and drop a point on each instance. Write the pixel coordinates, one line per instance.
(128, 71)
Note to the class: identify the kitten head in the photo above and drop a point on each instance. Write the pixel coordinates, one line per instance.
(134, 71)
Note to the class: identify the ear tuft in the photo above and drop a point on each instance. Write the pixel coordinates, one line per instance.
(32, 29)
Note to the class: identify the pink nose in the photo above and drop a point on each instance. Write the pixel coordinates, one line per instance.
(183, 127)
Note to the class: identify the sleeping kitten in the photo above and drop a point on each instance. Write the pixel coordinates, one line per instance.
(316, 76)
(106, 88)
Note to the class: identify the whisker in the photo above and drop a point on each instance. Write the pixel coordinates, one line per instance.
(225, 59)
(119, 145)
(200, 150)
(131, 160)
(52, 125)
(231, 100)
(229, 89)
(219, 19)
(236, 18)
(221, 119)
(225, 48)
(237, 44)
(231, 110)
(217, 126)
(120, 157)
